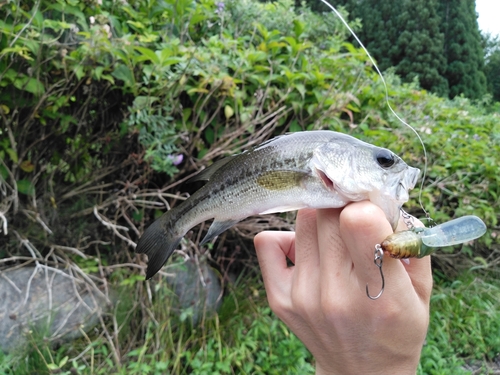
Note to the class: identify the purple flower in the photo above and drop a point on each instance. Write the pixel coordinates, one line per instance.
(176, 159)
(476, 137)
(220, 7)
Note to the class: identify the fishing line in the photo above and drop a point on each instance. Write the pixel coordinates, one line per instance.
(424, 175)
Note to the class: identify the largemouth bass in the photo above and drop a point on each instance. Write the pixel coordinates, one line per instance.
(315, 169)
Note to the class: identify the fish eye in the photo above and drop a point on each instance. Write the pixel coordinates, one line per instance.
(385, 158)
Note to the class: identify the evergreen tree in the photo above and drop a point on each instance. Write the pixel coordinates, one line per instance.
(492, 70)
(437, 41)
(492, 65)
(380, 29)
(418, 49)
(463, 48)
(405, 35)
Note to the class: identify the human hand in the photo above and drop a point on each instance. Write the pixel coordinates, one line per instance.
(322, 298)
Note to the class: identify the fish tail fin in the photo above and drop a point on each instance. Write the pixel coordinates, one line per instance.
(158, 242)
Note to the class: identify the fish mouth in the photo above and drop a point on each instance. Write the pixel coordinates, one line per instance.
(406, 184)
(411, 177)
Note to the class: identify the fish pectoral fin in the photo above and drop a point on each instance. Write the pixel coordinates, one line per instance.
(281, 179)
(217, 228)
(207, 173)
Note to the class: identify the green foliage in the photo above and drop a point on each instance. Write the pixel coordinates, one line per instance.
(465, 324)
(37, 356)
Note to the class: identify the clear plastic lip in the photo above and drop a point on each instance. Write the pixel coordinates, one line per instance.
(454, 232)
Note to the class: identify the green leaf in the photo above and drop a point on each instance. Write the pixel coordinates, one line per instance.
(210, 135)
(171, 61)
(295, 127)
(142, 102)
(98, 72)
(56, 25)
(301, 88)
(123, 73)
(12, 154)
(4, 173)
(63, 361)
(148, 38)
(197, 18)
(186, 114)
(26, 187)
(147, 54)
(298, 27)
(79, 72)
(136, 25)
(34, 86)
(202, 153)
(21, 51)
(228, 111)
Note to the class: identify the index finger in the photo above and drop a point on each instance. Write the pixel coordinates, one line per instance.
(363, 225)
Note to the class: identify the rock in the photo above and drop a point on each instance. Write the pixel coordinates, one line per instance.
(198, 289)
(46, 300)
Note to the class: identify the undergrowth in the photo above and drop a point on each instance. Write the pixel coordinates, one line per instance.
(246, 338)
(464, 325)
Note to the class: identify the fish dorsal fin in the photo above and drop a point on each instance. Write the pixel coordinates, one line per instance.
(281, 179)
(207, 173)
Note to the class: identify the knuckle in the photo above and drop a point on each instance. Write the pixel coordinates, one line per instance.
(331, 304)
(303, 301)
(279, 305)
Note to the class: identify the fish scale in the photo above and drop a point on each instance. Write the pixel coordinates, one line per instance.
(315, 169)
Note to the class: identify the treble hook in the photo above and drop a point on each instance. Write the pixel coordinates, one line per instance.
(378, 260)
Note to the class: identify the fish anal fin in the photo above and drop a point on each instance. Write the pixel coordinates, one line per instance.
(283, 209)
(217, 228)
(207, 173)
(281, 179)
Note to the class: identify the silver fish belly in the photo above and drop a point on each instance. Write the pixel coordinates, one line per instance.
(314, 169)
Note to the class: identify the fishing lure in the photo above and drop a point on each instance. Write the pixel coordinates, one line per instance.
(420, 242)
